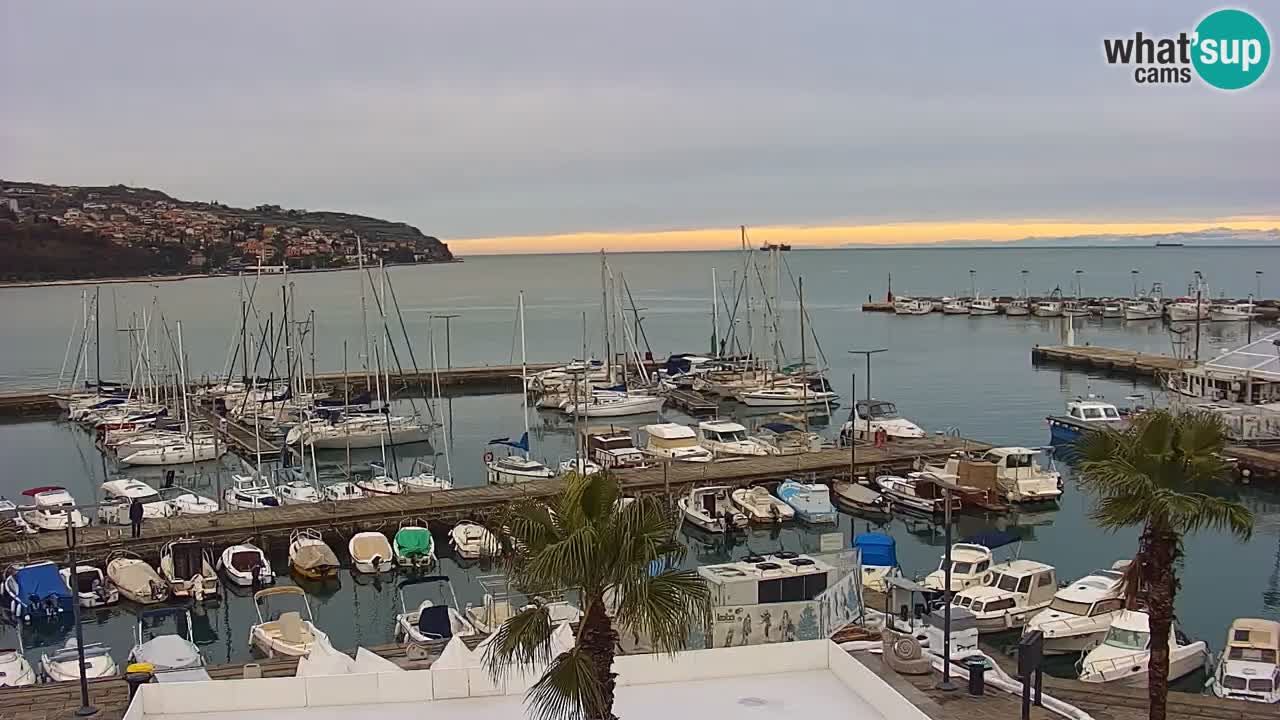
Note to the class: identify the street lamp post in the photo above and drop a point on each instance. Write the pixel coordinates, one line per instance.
(85, 709)
(945, 684)
(448, 345)
(854, 415)
(1257, 282)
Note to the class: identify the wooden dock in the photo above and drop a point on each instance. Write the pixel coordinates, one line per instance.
(693, 402)
(448, 506)
(1111, 360)
(238, 437)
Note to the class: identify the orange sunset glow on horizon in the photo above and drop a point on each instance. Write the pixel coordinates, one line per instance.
(834, 236)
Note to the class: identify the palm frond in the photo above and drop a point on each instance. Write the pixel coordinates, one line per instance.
(521, 640)
(566, 563)
(1192, 513)
(528, 525)
(568, 690)
(664, 607)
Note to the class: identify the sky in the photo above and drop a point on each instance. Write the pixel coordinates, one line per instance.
(505, 126)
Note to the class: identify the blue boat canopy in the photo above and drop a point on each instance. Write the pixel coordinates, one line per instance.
(993, 540)
(877, 549)
(780, 427)
(41, 581)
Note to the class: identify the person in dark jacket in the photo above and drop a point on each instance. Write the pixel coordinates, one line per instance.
(135, 517)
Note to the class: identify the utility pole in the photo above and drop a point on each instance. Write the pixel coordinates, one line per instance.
(85, 709)
(854, 415)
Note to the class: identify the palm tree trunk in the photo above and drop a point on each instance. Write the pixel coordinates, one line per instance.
(599, 640)
(1159, 553)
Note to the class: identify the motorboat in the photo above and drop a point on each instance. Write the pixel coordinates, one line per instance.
(187, 565)
(310, 556)
(970, 567)
(878, 557)
(1112, 310)
(136, 579)
(578, 466)
(613, 449)
(1150, 309)
(181, 452)
(341, 490)
(912, 306)
(760, 506)
(1184, 311)
(1083, 416)
(673, 441)
(9, 512)
(250, 492)
(515, 469)
(297, 491)
(788, 395)
(91, 586)
(1123, 656)
(915, 494)
(53, 509)
(37, 593)
(857, 498)
(615, 404)
(1048, 308)
(1016, 592)
(725, 438)
(284, 633)
(1018, 307)
(711, 509)
(472, 541)
(1250, 664)
(496, 607)
(1231, 312)
(422, 477)
(186, 502)
(118, 495)
(1017, 476)
(433, 618)
(64, 663)
(811, 501)
(1075, 308)
(172, 656)
(413, 547)
(15, 669)
(370, 553)
(955, 306)
(869, 417)
(785, 439)
(983, 306)
(246, 565)
(379, 484)
(1080, 613)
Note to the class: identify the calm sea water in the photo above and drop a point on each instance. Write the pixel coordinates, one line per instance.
(973, 374)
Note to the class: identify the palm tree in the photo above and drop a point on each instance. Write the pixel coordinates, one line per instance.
(1165, 473)
(622, 559)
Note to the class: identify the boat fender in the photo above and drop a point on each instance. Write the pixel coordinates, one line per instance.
(488, 457)
(986, 579)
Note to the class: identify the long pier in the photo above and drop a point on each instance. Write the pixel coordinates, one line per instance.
(1124, 362)
(446, 506)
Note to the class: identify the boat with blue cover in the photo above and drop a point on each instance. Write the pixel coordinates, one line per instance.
(812, 502)
(878, 555)
(37, 592)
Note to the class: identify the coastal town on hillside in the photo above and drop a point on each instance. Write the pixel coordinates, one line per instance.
(212, 237)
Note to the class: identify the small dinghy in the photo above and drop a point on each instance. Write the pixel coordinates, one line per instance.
(341, 491)
(64, 664)
(370, 553)
(711, 509)
(246, 565)
(136, 580)
(185, 502)
(414, 547)
(472, 542)
(297, 492)
(187, 565)
(91, 586)
(285, 633)
(173, 655)
(15, 670)
(812, 502)
(309, 556)
(37, 593)
(760, 506)
(860, 499)
(433, 618)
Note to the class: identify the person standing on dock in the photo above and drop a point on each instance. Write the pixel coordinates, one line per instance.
(135, 517)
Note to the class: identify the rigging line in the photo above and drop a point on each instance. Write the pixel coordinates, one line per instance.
(807, 317)
(737, 300)
(408, 344)
(773, 316)
(648, 348)
(395, 355)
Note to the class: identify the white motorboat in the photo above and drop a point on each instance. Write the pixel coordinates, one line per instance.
(1017, 474)
(1049, 308)
(53, 509)
(1187, 311)
(811, 501)
(376, 485)
(983, 306)
(1143, 310)
(1080, 613)
(136, 580)
(341, 490)
(284, 633)
(578, 466)
(173, 656)
(15, 669)
(1112, 309)
(514, 469)
(414, 548)
(869, 417)
(955, 306)
(422, 477)
(912, 306)
(1017, 591)
(294, 488)
(433, 618)
(711, 509)
(673, 441)
(615, 404)
(788, 395)
(1123, 656)
(1075, 308)
(118, 495)
(786, 439)
(181, 452)
(472, 541)
(614, 449)
(91, 586)
(854, 497)
(246, 565)
(725, 438)
(913, 494)
(1018, 307)
(496, 608)
(970, 567)
(186, 565)
(9, 511)
(759, 505)
(1231, 312)
(370, 553)
(250, 492)
(185, 502)
(64, 664)
(1249, 666)
(310, 556)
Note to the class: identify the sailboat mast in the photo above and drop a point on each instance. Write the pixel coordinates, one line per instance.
(364, 315)
(715, 317)
(804, 367)
(604, 319)
(182, 384)
(524, 375)
(244, 333)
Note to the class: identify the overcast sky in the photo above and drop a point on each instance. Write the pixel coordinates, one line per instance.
(479, 119)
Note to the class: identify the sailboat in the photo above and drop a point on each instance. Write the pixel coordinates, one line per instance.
(511, 469)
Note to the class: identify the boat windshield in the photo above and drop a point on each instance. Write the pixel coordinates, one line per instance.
(883, 411)
(1127, 639)
(1266, 655)
(1111, 413)
(733, 436)
(1006, 582)
(1069, 607)
(961, 568)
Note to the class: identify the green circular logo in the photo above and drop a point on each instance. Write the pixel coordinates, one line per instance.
(1231, 49)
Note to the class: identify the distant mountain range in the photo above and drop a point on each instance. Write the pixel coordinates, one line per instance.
(1209, 237)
